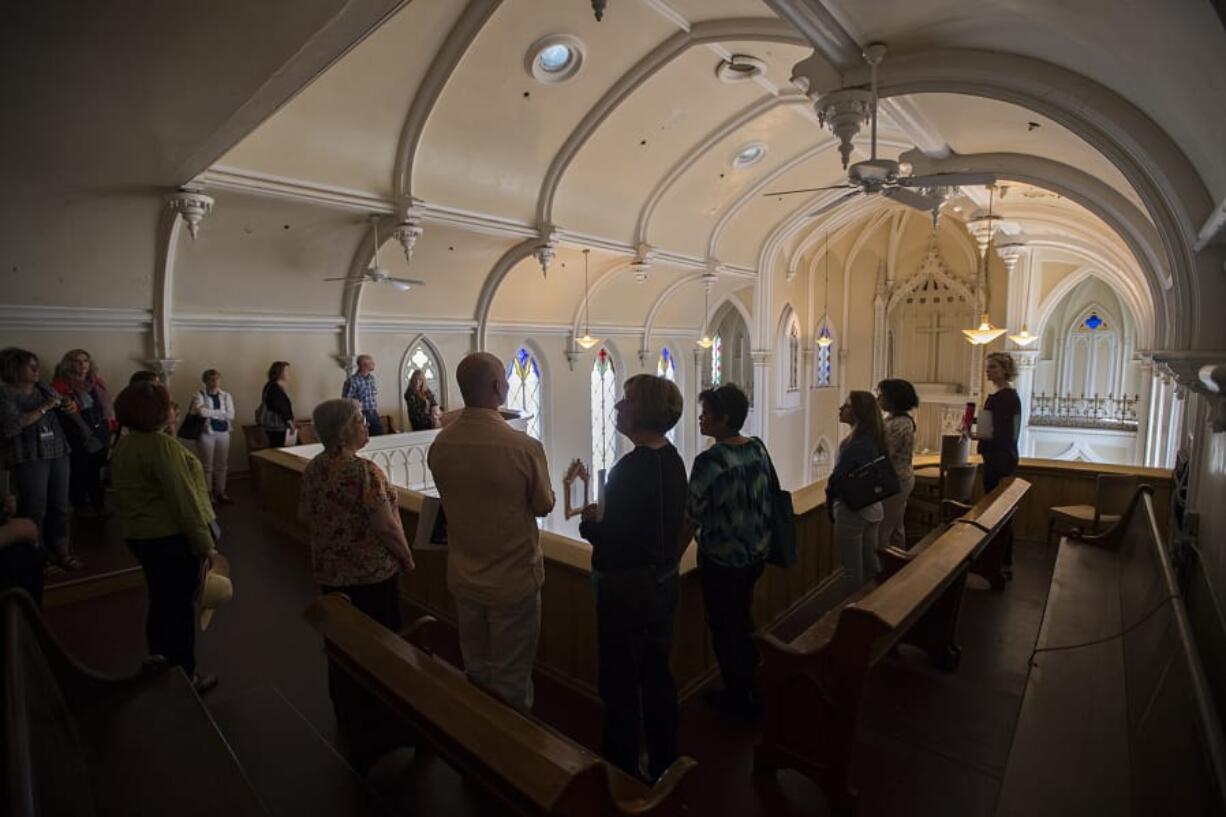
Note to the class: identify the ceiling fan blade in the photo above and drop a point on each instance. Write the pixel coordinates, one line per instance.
(404, 284)
(948, 180)
(911, 199)
(810, 190)
(828, 206)
(346, 278)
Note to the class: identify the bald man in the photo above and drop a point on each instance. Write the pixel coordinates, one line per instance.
(361, 386)
(494, 482)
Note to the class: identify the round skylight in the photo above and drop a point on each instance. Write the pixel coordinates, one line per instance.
(554, 58)
(749, 155)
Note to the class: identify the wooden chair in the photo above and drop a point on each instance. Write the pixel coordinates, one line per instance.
(957, 484)
(955, 450)
(1112, 493)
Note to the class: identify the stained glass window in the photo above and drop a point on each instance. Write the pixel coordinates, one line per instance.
(717, 361)
(1094, 322)
(604, 427)
(824, 371)
(524, 389)
(793, 358)
(666, 368)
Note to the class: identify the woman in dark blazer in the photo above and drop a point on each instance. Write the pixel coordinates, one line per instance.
(278, 415)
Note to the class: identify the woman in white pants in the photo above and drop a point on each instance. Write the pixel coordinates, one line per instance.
(897, 398)
(855, 530)
(217, 408)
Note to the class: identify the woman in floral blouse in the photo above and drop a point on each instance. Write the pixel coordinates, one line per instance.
(897, 398)
(357, 542)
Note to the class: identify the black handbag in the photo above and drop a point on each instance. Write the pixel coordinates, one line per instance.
(782, 548)
(192, 427)
(868, 483)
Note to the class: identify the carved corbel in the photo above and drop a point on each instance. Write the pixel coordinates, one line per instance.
(409, 228)
(192, 205)
(547, 250)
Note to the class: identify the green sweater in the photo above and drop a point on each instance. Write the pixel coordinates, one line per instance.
(161, 490)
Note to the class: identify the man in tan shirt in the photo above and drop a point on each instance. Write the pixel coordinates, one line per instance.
(493, 481)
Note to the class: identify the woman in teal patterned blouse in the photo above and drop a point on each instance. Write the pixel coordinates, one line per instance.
(729, 508)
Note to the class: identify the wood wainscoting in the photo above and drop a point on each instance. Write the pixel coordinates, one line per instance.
(567, 650)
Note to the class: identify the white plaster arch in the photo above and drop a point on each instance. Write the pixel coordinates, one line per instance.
(351, 297)
(768, 29)
(454, 47)
(1069, 283)
(600, 283)
(1120, 216)
(786, 398)
(485, 300)
(704, 146)
(1164, 179)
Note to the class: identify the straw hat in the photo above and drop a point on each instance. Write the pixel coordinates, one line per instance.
(217, 589)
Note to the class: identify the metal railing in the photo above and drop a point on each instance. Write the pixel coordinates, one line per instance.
(1085, 411)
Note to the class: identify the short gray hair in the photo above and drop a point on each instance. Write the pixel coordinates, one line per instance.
(331, 417)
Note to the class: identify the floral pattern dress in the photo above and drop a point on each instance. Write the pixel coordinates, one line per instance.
(341, 492)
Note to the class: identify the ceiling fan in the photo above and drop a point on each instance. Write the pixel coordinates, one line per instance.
(377, 274)
(880, 176)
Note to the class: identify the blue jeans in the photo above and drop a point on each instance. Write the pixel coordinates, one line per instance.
(373, 423)
(42, 495)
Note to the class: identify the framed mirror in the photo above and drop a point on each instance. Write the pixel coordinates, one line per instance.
(575, 488)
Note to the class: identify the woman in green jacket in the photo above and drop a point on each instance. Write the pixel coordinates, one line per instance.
(168, 522)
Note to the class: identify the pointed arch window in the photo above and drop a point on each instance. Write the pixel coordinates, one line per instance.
(604, 427)
(422, 358)
(524, 389)
(717, 361)
(666, 367)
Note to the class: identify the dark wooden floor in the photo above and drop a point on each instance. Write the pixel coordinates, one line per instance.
(932, 742)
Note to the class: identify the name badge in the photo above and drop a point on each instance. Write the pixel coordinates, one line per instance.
(46, 435)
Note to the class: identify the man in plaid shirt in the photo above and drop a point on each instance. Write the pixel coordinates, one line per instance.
(362, 387)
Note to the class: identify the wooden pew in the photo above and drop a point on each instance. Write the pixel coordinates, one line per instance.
(79, 743)
(813, 685)
(1117, 716)
(523, 763)
(989, 515)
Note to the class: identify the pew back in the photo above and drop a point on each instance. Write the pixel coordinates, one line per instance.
(527, 765)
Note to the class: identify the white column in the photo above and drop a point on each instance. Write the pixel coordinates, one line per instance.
(879, 328)
(1145, 385)
(1025, 392)
(761, 382)
(1153, 452)
(1174, 426)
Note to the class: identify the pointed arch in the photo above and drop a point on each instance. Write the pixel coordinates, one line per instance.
(410, 360)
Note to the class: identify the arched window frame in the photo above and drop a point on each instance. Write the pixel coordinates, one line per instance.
(666, 367)
(530, 403)
(821, 461)
(603, 388)
(407, 365)
(1110, 333)
(788, 374)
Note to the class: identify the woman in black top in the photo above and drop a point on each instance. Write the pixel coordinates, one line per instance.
(997, 433)
(278, 415)
(423, 407)
(635, 550)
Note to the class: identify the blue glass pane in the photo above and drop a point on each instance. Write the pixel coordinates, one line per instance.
(1093, 322)
(523, 357)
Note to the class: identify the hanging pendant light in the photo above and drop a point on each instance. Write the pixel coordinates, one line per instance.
(706, 341)
(587, 341)
(985, 332)
(1023, 338)
(823, 334)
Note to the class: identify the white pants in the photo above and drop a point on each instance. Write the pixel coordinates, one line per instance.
(855, 534)
(499, 646)
(214, 450)
(893, 530)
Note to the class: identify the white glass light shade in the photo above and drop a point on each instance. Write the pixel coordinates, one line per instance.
(984, 333)
(587, 341)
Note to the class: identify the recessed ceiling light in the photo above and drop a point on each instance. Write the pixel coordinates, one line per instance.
(749, 155)
(739, 68)
(555, 58)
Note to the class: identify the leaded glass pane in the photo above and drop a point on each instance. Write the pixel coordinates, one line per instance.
(666, 368)
(524, 389)
(604, 428)
(717, 361)
(793, 359)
